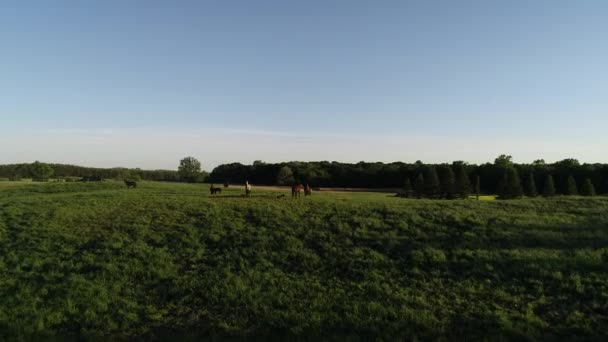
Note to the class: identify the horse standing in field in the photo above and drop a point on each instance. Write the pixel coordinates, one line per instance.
(307, 190)
(247, 189)
(130, 184)
(296, 190)
(215, 190)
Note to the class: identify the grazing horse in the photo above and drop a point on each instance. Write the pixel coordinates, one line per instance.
(307, 190)
(131, 184)
(296, 190)
(215, 190)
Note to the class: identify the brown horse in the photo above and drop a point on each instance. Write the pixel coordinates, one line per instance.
(307, 190)
(296, 190)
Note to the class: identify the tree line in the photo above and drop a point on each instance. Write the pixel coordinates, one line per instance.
(453, 180)
(189, 170)
(39, 171)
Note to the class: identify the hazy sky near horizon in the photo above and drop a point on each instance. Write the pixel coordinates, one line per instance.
(144, 83)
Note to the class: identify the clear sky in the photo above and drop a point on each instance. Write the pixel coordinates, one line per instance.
(144, 83)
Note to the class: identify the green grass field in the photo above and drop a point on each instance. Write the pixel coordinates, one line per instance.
(168, 261)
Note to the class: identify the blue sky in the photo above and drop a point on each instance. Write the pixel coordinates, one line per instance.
(143, 83)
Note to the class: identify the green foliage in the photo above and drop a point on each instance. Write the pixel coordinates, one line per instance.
(419, 186)
(510, 186)
(588, 189)
(531, 186)
(41, 172)
(95, 261)
(448, 183)
(477, 186)
(571, 186)
(407, 188)
(549, 188)
(128, 174)
(285, 176)
(189, 170)
(463, 184)
(349, 175)
(503, 161)
(431, 182)
(61, 171)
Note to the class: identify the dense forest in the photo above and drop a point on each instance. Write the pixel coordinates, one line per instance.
(458, 179)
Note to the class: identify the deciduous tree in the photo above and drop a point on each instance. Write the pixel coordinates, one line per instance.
(285, 176)
(189, 169)
(41, 172)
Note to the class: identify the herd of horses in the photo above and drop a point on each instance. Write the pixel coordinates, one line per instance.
(296, 189)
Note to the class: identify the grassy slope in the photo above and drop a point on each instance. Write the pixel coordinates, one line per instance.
(165, 259)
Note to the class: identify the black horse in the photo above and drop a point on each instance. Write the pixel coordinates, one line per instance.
(131, 184)
(215, 190)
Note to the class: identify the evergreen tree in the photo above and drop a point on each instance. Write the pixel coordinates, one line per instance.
(448, 183)
(588, 189)
(531, 186)
(571, 186)
(549, 188)
(431, 182)
(510, 185)
(477, 187)
(407, 187)
(419, 186)
(463, 185)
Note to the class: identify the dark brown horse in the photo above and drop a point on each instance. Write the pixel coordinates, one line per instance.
(131, 184)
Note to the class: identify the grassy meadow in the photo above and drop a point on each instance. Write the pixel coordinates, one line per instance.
(169, 261)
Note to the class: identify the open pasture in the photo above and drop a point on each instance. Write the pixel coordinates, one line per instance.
(99, 261)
